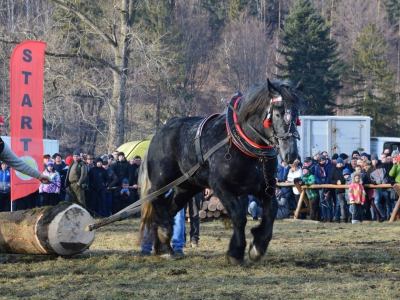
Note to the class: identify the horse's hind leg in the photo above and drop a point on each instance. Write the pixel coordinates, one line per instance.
(237, 212)
(166, 211)
(262, 234)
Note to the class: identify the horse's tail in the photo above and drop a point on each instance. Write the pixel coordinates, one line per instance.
(147, 208)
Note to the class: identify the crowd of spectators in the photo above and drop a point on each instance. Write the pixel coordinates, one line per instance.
(104, 184)
(340, 204)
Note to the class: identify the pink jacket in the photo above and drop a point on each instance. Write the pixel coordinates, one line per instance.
(356, 193)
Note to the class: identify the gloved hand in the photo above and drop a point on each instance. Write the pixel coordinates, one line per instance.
(296, 180)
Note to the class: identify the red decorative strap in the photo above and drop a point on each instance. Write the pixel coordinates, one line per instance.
(298, 122)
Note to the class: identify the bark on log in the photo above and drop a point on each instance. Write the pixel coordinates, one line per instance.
(47, 230)
(202, 214)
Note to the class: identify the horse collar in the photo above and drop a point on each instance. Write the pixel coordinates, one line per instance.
(240, 139)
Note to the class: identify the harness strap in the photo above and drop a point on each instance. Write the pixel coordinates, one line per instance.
(130, 210)
(197, 141)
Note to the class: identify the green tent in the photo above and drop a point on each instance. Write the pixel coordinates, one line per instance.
(131, 149)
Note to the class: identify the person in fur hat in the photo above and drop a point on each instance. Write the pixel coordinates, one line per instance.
(357, 197)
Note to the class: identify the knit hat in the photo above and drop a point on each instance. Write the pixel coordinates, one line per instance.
(363, 154)
(105, 163)
(121, 153)
(335, 156)
(321, 157)
(55, 155)
(99, 160)
(315, 152)
(307, 159)
(50, 163)
(76, 152)
(305, 167)
(125, 181)
(1, 119)
(395, 153)
(69, 160)
(355, 152)
(374, 156)
(110, 156)
(343, 155)
(340, 161)
(346, 171)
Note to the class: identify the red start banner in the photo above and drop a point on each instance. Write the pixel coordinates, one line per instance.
(26, 120)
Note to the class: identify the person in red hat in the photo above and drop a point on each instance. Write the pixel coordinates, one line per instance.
(15, 162)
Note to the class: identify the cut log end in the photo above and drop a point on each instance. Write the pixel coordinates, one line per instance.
(67, 234)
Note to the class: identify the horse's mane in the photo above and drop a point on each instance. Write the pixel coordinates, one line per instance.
(258, 97)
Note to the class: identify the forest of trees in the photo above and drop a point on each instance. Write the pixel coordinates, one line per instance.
(116, 70)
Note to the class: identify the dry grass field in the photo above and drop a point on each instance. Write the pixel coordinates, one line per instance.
(304, 261)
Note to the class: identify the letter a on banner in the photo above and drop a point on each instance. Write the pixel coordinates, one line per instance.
(26, 92)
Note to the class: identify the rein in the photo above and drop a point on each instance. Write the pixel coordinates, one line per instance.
(135, 207)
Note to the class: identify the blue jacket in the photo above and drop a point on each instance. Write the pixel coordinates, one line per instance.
(319, 179)
(5, 181)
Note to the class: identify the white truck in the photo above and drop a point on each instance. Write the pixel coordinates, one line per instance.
(49, 146)
(341, 134)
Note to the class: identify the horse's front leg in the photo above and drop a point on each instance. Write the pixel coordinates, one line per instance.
(237, 212)
(262, 234)
(162, 227)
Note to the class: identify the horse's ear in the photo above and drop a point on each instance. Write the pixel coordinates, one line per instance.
(299, 86)
(273, 91)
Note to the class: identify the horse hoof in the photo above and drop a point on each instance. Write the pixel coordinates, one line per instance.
(235, 262)
(254, 254)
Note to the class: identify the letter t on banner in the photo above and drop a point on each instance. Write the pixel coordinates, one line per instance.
(26, 92)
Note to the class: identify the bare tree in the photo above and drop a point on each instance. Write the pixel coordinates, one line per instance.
(247, 54)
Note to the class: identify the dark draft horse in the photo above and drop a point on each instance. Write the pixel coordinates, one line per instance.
(262, 121)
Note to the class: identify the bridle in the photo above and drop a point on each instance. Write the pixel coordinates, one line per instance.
(288, 118)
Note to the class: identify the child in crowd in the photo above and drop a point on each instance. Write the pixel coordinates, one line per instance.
(313, 197)
(357, 197)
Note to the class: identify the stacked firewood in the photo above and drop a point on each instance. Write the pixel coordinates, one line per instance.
(212, 208)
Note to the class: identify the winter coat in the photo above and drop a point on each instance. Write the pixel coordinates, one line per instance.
(337, 174)
(54, 186)
(356, 190)
(62, 169)
(5, 177)
(112, 179)
(322, 173)
(290, 178)
(309, 179)
(283, 206)
(122, 170)
(395, 172)
(98, 178)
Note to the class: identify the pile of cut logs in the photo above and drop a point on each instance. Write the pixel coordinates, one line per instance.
(211, 208)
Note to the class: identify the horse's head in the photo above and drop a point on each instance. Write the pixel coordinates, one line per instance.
(272, 111)
(282, 117)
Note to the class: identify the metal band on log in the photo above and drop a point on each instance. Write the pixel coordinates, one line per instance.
(47, 230)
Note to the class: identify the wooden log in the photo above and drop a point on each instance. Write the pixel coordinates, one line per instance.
(214, 200)
(212, 206)
(47, 230)
(210, 214)
(225, 212)
(202, 214)
(220, 206)
(216, 214)
(205, 205)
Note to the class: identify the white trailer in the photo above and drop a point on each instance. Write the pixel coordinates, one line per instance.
(334, 134)
(49, 146)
